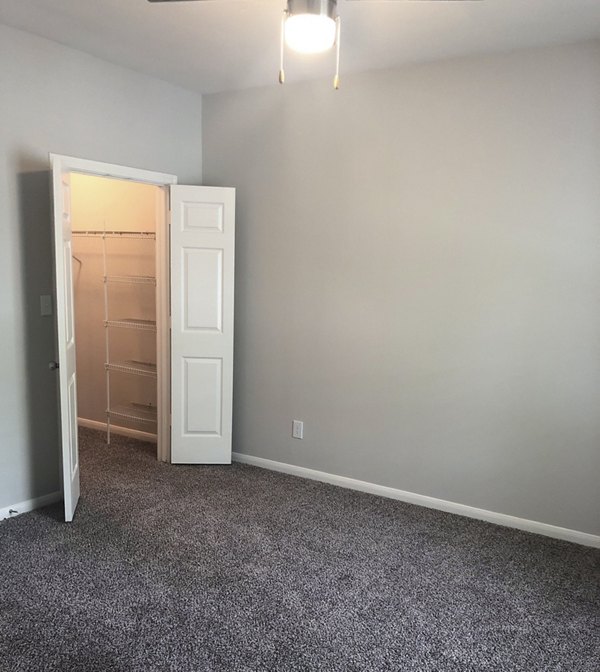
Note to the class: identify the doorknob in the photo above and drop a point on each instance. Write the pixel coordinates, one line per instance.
(53, 366)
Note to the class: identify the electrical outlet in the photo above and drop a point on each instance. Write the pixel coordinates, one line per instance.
(297, 429)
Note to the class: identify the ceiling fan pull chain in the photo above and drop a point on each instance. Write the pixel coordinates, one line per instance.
(336, 79)
(282, 48)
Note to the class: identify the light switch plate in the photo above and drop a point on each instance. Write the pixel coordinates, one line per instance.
(45, 305)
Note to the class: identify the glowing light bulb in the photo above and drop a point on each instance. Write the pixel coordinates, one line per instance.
(310, 33)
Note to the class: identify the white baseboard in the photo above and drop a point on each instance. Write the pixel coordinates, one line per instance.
(115, 429)
(29, 505)
(563, 533)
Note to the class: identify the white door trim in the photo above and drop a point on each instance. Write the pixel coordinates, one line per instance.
(75, 165)
(71, 164)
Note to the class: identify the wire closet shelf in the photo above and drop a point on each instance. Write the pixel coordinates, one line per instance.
(98, 233)
(132, 411)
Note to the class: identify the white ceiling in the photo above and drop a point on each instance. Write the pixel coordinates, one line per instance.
(232, 44)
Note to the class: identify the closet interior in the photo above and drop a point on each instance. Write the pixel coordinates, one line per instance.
(114, 232)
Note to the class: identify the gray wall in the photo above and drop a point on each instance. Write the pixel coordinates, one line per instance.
(418, 277)
(59, 100)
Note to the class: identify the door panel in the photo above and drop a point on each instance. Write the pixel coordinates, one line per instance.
(65, 321)
(203, 378)
(72, 438)
(203, 216)
(203, 289)
(202, 277)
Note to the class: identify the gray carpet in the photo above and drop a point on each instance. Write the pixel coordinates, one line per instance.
(185, 569)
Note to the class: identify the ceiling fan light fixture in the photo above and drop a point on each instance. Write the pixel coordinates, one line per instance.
(310, 25)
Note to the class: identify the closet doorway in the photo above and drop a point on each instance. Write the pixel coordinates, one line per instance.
(144, 272)
(114, 227)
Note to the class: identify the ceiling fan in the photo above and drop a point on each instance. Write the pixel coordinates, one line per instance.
(311, 27)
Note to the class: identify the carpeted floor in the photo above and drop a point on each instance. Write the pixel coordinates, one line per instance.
(183, 569)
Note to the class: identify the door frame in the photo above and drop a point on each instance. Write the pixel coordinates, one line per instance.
(62, 164)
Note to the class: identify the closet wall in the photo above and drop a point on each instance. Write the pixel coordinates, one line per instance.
(98, 204)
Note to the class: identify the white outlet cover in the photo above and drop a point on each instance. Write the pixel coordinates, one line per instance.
(298, 429)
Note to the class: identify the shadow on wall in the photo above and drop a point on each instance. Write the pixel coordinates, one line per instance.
(41, 383)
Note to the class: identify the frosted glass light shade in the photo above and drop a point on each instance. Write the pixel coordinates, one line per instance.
(309, 33)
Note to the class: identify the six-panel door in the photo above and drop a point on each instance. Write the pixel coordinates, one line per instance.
(202, 280)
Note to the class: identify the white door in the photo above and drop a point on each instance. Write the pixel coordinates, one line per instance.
(62, 167)
(202, 264)
(66, 336)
